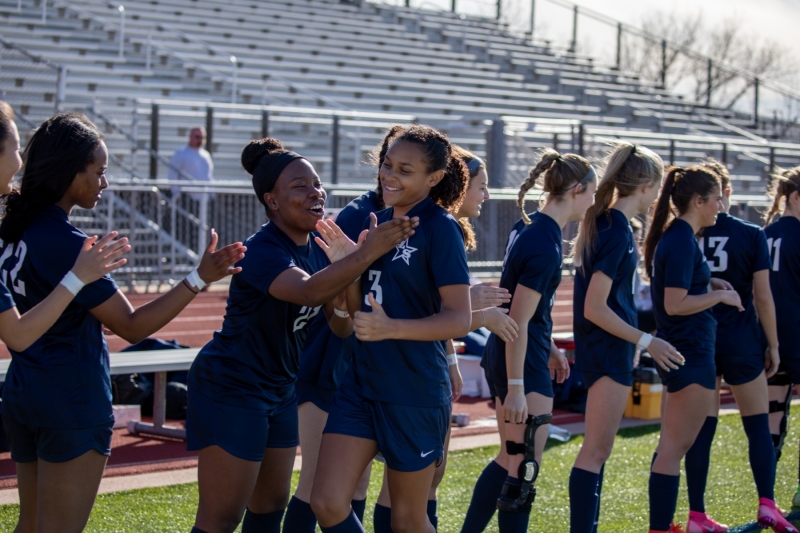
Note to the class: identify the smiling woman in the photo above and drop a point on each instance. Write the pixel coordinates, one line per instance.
(242, 413)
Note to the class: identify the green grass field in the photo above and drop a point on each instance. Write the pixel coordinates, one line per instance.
(731, 496)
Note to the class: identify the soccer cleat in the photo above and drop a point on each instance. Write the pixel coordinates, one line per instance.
(769, 516)
(673, 528)
(702, 523)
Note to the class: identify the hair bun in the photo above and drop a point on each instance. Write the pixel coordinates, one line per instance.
(255, 150)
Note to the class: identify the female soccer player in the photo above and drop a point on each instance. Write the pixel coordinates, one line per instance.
(485, 300)
(783, 242)
(242, 412)
(57, 397)
(95, 260)
(682, 305)
(605, 318)
(736, 251)
(397, 398)
(520, 372)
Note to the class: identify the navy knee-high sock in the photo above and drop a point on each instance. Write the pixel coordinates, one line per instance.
(762, 454)
(359, 506)
(262, 523)
(432, 516)
(196, 529)
(663, 499)
(299, 517)
(350, 525)
(382, 519)
(484, 498)
(697, 460)
(599, 497)
(582, 500)
(512, 522)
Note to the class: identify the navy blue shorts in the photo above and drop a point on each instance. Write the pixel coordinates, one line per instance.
(738, 370)
(792, 368)
(409, 438)
(683, 376)
(537, 381)
(54, 445)
(242, 432)
(309, 392)
(623, 378)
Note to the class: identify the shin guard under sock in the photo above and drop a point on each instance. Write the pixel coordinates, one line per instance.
(663, 493)
(484, 498)
(599, 497)
(432, 516)
(762, 460)
(582, 500)
(350, 525)
(697, 460)
(262, 523)
(299, 517)
(359, 506)
(382, 519)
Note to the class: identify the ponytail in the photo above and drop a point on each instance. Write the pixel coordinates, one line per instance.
(62, 147)
(450, 191)
(628, 167)
(560, 173)
(782, 184)
(681, 187)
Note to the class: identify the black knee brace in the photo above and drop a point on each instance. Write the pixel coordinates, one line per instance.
(775, 406)
(519, 498)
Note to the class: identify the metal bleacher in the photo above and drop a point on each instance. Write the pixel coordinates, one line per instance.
(328, 77)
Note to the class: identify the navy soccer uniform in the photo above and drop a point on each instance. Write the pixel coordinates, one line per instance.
(533, 260)
(679, 263)
(735, 250)
(325, 357)
(57, 394)
(241, 386)
(598, 353)
(783, 241)
(397, 392)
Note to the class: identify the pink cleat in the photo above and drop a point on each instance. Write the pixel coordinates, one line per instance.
(770, 516)
(702, 523)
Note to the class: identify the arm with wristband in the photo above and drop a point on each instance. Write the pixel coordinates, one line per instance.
(522, 310)
(134, 325)
(96, 259)
(596, 309)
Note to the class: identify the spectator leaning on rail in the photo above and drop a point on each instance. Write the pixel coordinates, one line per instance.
(192, 161)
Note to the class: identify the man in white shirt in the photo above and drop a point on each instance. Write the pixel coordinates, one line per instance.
(192, 161)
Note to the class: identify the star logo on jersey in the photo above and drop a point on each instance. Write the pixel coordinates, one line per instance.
(404, 251)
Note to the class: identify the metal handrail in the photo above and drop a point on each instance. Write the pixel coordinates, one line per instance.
(33, 57)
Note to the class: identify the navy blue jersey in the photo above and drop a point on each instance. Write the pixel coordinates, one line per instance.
(406, 282)
(679, 263)
(252, 362)
(62, 380)
(6, 300)
(735, 250)
(783, 240)
(533, 260)
(614, 254)
(325, 357)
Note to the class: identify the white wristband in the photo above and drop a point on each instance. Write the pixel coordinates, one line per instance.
(343, 314)
(452, 359)
(644, 341)
(194, 280)
(72, 283)
(519, 382)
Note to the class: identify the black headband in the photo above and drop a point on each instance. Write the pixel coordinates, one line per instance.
(474, 165)
(268, 169)
(586, 179)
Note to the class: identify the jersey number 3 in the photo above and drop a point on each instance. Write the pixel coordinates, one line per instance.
(775, 253)
(719, 262)
(375, 278)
